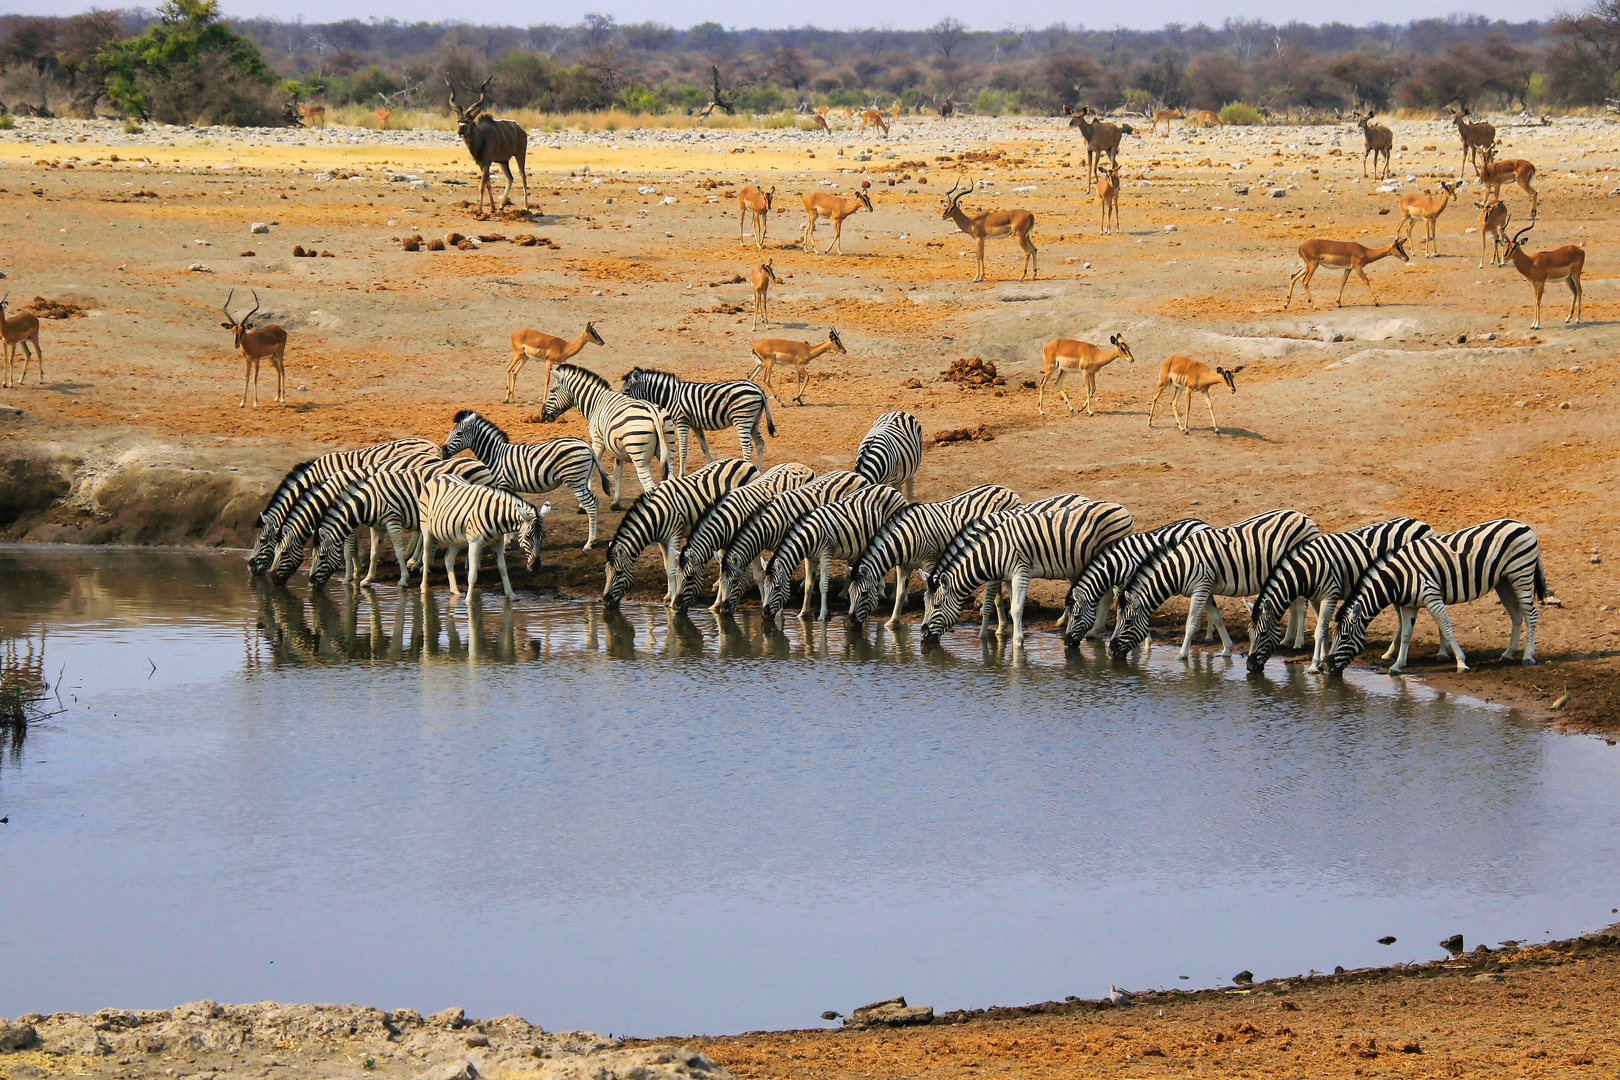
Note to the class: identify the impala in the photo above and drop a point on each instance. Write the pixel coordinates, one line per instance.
(1429, 208)
(1108, 192)
(1559, 264)
(818, 205)
(1101, 138)
(532, 344)
(761, 278)
(1184, 373)
(989, 224)
(19, 330)
(1340, 255)
(256, 343)
(1493, 220)
(875, 118)
(1209, 119)
(1493, 174)
(756, 202)
(1064, 355)
(1476, 136)
(768, 352)
(1164, 116)
(315, 114)
(1379, 140)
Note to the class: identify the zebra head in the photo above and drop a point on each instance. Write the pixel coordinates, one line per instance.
(630, 382)
(947, 610)
(558, 401)
(864, 594)
(289, 556)
(531, 533)
(460, 436)
(1082, 613)
(688, 587)
(729, 589)
(621, 572)
(1131, 630)
(264, 549)
(1349, 636)
(775, 591)
(1266, 628)
(328, 557)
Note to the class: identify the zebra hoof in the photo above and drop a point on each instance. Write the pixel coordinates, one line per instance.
(1528, 661)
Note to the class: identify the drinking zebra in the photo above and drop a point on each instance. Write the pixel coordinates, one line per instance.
(890, 451)
(666, 516)
(631, 430)
(1441, 569)
(531, 468)
(459, 515)
(1109, 574)
(1323, 570)
(700, 407)
(914, 539)
(1020, 547)
(838, 530)
(714, 531)
(1234, 560)
(769, 524)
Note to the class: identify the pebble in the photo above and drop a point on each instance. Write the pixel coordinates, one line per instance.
(258, 227)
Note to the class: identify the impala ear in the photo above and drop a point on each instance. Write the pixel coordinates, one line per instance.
(1237, 369)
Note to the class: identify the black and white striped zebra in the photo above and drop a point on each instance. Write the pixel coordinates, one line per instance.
(1097, 587)
(890, 451)
(531, 468)
(455, 514)
(1323, 570)
(769, 524)
(1019, 547)
(914, 539)
(665, 517)
(630, 430)
(386, 502)
(307, 474)
(701, 407)
(838, 530)
(1441, 569)
(714, 531)
(1234, 560)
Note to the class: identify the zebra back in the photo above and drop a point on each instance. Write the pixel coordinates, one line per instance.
(707, 406)
(890, 451)
(842, 528)
(451, 511)
(382, 499)
(669, 511)
(1114, 567)
(970, 532)
(766, 527)
(540, 467)
(919, 534)
(617, 420)
(716, 527)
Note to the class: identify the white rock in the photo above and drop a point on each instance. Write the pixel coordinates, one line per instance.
(646, 190)
(1169, 228)
(199, 268)
(259, 227)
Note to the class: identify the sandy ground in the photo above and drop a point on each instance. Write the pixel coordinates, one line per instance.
(1440, 403)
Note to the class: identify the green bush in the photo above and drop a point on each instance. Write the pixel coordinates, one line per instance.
(1239, 114)
(189, 67)
(6, 122)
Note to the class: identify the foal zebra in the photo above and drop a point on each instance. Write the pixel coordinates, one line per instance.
(699, 407)
(532, 468)
(714, 531)
(1441, 569)
(769, 524)
(1097, 587)
(458, 515)
(890, 451)
(1323, 570)
(631, 430)
(1020, 547)
(914, 539)
(666, 516)
(839, 530)
(1234, 560)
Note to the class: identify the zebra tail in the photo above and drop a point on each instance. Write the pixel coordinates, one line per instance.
(770, 425)
(663, 441)
(1541, 581)
(602, 472)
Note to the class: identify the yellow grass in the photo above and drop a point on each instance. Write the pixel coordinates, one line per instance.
(532, 119)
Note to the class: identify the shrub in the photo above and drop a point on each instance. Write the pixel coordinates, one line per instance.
(6, 122)
(188, 67)
(1239, 114)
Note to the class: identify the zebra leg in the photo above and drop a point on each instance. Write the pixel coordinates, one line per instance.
(1324, 616)
(991, 597)
(682, 441)
(500, 561)
(472, 566)
(618, 483)
(902, 578)
(910, 489)
(1296, 622)
(670, 563)
(1195, 612)
(809, 589)
(397, 538)
(644, 474)
(1020, 591)
(426, 556)
(588, 503)
(704, 443)
(1443, 619)
(1099, 622)
(1213, 614)
(826, 579)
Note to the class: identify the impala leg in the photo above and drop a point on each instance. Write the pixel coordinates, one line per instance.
(1091, 391)
(247, 377)
(281, 375)
(1365, 280)
(1058, 386)
(980, 260)
(513, 367)
(1210, 402)
(1154, 403)
(1342, 284)
(1040, 393)
(1574, 310)
(1538, 287)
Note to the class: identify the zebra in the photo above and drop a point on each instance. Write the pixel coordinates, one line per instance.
(914, 539)
(1096, 589)
(838, 530)
(631, 430)
(304, 516)
(1441, 569)
(890, 451)
(307, 474)
(1234, 560)
(386, 501)
(458, 515)
(1020, 547)
(699, 407)
(770, 523)
(1323, 569)
(715, 529)
(531, 468)
(664, 517)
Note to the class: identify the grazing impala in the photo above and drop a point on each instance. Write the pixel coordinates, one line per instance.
(818, 205)
(1493, 174)
(1429, 208)
(257, 343)
(756, 202)
(873, 117)
(532, 344)
(993, 223)
(19, 330)
(1108, 192)
(1476, 136)
(769, 352)
(1340, 255)
(1184, 373)
(313, 114)
(1065, 355)
(1560, 264)
(1379, 140)
(762, 277)
(1164, 116)
(1493, 220)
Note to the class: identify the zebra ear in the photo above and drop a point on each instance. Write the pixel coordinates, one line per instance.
(545, 508)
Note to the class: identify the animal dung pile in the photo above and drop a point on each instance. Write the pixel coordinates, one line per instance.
(962, 434)
(301, 252)
(531, 240)
(435, 245)
(54, 309)
(972, 371)
(453, 239)
(411, 243)
(246, 254)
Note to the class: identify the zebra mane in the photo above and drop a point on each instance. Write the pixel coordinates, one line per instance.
(589, 377)
(885, 538)
(639, 370)
(1376, 574)
(484, 420)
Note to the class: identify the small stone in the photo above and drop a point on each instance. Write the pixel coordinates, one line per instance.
(1086, 266)
(1490, 337)
(1596, 558)
(477, 1039)
(199, 268)
(830, 1015)
(1277, 192)
(1243, 978)
(1169, 228)
(1453, 944)
(447, 1018)
(1488, 977)
(1242, 189)
(258, 227)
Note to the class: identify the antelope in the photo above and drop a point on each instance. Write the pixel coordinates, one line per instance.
(894, 113)
(1209, 119)
(1108, 192)
(20, 330)
(820, 120)
(382, 118)
(532, 344)
(257, 343)
(492, 141)
(313, 113)
(1064, 355)
(759, 202)
(1493, 174)
(768, 352)
(993, 223)
(1340, 255)
(849, 112)
(1101, 138)
(874, 117)
(1379, 140)
(1475, 136)
(1184, 373)
(1493, 219)
(818, 205)
(1559, 264)
(1164, 116)
(761, 278)
(1429, 208)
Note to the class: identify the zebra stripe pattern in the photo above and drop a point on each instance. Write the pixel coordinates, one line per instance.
(1453, 568)
(1020, 547)
(770, 523)
(914, 539)
(1110, 572)
(456, 514)
(1234, 560)
(889, 453)
(665, 517)
(700, 407)
(630, 430)
(1322, 570)
(714, 531)
(839, 530)
(531, 468)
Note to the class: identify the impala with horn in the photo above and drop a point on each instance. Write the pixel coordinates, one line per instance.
(256, 343)
(989, 224)
(1560, 264)
(492, 142)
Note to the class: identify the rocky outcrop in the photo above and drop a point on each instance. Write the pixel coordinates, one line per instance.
(891, 1013)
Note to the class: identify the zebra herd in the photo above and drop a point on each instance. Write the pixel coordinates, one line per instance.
(761, 527)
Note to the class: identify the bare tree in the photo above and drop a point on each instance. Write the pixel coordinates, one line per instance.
(949, 33)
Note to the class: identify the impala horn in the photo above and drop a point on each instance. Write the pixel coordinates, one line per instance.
(225, 307)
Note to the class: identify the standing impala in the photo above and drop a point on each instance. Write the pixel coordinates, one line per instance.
(761, 278)
(1379, 140)
(993, 223)
(1064, 355)
(1559, 264)
(1493, 220)
(757, 202)
(527, 344)
(20, 330)
(1184, 373)
(1101, 138)
(1108, 192)
(1340, 255)
(257, 343)
(1493, 174)
(1164, 116)
(1476, 136)
(768, 352)
(818, 205)
(1429, 208)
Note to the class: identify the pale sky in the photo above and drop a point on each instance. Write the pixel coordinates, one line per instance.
(900, 14)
